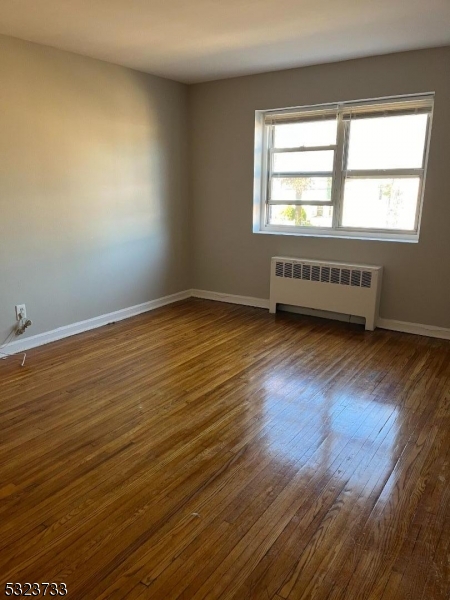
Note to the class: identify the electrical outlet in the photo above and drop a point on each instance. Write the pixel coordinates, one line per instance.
(21, 312)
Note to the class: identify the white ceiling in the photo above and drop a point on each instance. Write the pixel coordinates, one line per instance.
(198, 40)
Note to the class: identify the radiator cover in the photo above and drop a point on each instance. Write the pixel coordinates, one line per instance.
(326, 285)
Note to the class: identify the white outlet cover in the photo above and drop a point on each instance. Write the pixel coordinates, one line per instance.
(21, 311)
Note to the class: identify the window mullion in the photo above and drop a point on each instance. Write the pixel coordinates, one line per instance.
(301, 174)
(301, 202)
(380, 173)
(268, 170)
(302, 149)
(336, 190)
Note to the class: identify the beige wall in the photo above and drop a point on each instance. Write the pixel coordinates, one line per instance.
(93, 193)
(229, 258)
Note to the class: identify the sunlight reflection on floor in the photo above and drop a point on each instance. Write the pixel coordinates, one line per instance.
(325, 429)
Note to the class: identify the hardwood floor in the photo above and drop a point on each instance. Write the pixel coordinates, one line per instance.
(206, 450)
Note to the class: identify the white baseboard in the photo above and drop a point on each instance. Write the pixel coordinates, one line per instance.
(23, 344)
(231, 298)
(391, 324)
(415, 328)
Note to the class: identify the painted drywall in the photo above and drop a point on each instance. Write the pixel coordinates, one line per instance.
(202, 40)
(93, 193)
(229, 258)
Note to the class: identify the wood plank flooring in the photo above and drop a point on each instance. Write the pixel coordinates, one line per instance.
(206, 450)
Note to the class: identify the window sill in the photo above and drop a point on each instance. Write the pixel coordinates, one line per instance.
(409, 238)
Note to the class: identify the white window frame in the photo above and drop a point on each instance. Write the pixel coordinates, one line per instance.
(266, 119)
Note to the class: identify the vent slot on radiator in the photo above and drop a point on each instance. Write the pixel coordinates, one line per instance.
(279, 269)
(345, 276)
(324, 274)
(288, 269)
(335, 275)
(315, 273)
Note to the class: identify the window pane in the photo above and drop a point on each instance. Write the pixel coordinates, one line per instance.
(380, 203)
(301, 216)
(387, 142)
(301, 188)
(307, 133)
(309, 162)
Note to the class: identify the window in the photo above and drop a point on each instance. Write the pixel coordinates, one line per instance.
(354, 169)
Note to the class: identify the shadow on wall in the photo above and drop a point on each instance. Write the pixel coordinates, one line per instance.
(92, 192)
